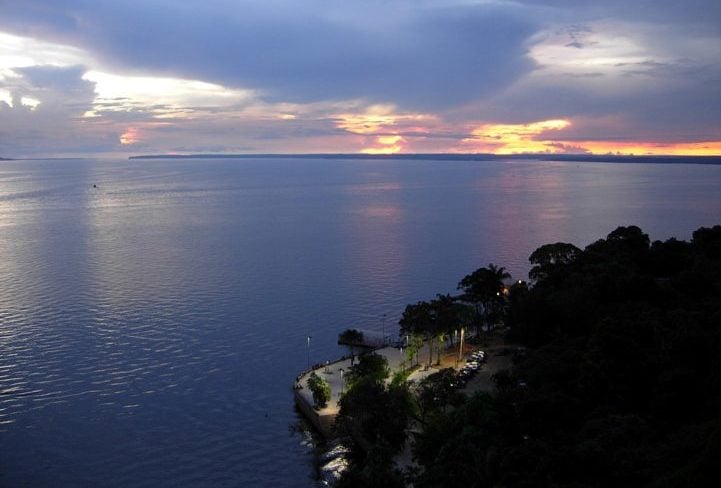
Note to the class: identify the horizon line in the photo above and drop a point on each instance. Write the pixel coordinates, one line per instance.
(708, 159)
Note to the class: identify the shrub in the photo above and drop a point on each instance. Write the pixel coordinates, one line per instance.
(320, 389)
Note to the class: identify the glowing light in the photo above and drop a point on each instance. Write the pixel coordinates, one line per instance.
(6, 97)
(379, 118)
(514, 138)
(536, 138)
(21, 52)
(389, 140)
(130, 136)
(166, 95)
(389, 144)
(373, 120)
(709, 148)
(287, 117)
(30, 102)
(604, 50)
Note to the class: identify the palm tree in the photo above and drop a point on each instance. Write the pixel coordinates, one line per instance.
(484, 288)
(446, 318)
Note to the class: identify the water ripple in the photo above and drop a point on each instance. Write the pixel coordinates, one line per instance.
(150, 327)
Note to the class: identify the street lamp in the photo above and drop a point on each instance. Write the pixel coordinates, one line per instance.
(309, 337)
(342, 385)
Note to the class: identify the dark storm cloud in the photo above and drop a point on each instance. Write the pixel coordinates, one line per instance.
(421, 55)
(706, 13)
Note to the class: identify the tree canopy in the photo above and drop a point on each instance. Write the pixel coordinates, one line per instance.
(621, 385)
(320, 389)
(373, 418)
(484, 288)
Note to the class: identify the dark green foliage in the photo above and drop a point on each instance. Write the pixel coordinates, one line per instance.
(433, 319)
(621, 385)
(484, 283)
(370, 367)
(460, 447)
(350, 336)
(377, 471)
(484, 288)
(551, 258)
(437, 391)
(320, 389)
(371, 414)
(419, 320)
(708, 241)
(373, 417)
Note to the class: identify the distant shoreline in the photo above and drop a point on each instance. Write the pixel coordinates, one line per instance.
(595, 158)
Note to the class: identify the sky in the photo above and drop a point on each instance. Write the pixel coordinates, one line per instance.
(101, 77)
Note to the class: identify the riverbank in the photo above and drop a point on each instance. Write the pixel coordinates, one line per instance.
(323, 419)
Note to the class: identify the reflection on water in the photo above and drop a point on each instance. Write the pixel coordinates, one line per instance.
(151, 326)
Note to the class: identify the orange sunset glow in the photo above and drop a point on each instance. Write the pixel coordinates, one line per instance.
(130, 136)
(385, 145)
(711, 148)
(513, 138)
(355, 243)
(593, 85)
(547, 137)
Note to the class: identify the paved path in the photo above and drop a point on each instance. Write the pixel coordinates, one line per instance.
(334, 372)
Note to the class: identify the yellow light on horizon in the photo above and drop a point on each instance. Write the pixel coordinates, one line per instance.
(650, 148)
(382, 150)
(388, 144)
(380, 118)
(374, 119)
(389, 140)
(514, 138)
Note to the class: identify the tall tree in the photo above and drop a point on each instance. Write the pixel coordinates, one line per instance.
(419, 319)
(446, 317)
(484, 288)
(550, 257)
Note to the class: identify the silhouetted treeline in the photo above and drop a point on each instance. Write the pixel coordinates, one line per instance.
(620, 385)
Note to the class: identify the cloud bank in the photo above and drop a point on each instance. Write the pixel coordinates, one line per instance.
(82, 76)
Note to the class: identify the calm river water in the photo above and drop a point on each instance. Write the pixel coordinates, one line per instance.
(151, 326)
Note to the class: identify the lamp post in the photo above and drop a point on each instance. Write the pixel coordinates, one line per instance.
(309, 337)
(342, 384)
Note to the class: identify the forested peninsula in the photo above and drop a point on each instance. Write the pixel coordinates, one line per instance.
(618, 383)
